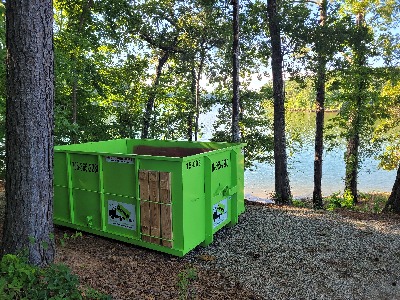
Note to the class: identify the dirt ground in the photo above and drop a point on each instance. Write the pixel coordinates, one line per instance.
(128, 272)
(125, 271)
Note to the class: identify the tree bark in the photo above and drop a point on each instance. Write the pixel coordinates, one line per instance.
(235, 74)
(192, 105)
(320, 112)
(282, 187)
(152, 97)
(28, 223)
(74, 137)
(393, 203)
(85, 10)
(353, 140)
(198, 99)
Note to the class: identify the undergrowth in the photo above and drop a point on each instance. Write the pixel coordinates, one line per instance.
(21, 281)
(367, 202)
(185, 278)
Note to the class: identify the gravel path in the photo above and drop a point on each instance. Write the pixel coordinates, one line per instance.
(291, 253)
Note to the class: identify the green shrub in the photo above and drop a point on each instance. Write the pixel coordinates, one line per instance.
(299, 203)
(336, 200)
(373, 202)
(66, 237)
(20, 280)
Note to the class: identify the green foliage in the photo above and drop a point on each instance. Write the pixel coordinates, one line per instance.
(20, 280)
(254, 124)
(337, 200)
(299, 203)
(185, 278)
(372, 202)
(386, 134)
(66, 237)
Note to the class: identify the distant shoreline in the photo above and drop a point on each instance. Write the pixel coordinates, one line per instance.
(311, 110)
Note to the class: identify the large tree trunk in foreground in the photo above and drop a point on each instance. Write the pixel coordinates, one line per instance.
(393, 203)
(320, 114)
(29, 130)
(235, 74)
(282, 186)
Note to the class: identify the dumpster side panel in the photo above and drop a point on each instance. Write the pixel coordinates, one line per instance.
(87, 209)
(119, 175)
(221, 174)
(85, 172)
(239, 158)
(61, 209)
(60, 169)
(193, 201)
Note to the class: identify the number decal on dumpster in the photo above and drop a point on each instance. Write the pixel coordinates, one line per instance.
(218, 165)
(85, 167)
(121, 214)
(193, 164)
(220, 212)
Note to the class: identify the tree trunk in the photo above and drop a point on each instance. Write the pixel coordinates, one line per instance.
(235, 74)
(351, 159)
(353, 140)
(282, 186)
(85, 10)
(28, 223)
(152, 97)
(199, 72)
(393, 203)
(320, 112)
(74, 137)
(192, 105)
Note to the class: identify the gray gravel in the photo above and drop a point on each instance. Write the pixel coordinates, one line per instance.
(292, 253)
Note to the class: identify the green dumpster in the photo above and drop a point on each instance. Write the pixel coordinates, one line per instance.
(169, 196)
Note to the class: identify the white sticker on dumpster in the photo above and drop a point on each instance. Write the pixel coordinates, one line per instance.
(220, 212)
(120, 160)
(121, 214)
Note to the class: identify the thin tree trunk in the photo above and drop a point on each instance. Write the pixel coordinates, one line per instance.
(393, 203)
(74, 103)
(192, 105)
(85, 9)
(28, 224)
(282, 186)
(198, 103)
(320, 107)
(235, 74)
(353, 141)
(352, 160)
(74, 138)
(152, 96)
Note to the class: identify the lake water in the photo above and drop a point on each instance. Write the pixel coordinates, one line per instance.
(259, 183)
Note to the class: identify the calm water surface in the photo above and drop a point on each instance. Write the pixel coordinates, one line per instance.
(259, 183)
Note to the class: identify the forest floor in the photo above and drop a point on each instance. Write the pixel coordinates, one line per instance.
(247, 261)
(125, 271)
